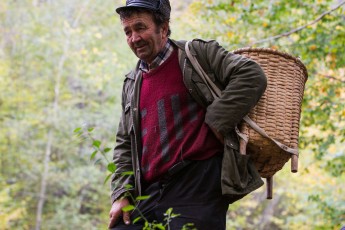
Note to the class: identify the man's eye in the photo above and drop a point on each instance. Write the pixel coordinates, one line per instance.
(141, 28)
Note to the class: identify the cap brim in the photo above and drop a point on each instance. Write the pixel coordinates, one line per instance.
(118, 10)
(135, 5)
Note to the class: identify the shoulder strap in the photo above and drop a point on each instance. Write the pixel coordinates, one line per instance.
(216, 92)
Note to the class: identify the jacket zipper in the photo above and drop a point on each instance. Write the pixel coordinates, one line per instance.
(135, 117)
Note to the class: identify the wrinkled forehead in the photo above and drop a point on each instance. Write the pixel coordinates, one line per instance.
(137, 21)
(135, 16)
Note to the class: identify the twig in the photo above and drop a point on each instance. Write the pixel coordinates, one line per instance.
(333, 78)
(301, 27)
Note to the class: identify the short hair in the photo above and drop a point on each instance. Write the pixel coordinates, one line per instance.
(158, 18)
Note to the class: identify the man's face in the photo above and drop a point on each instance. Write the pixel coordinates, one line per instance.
(143, 36)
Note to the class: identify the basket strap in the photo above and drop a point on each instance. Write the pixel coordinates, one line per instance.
(258, 129)
(216, 92)
(242, 135)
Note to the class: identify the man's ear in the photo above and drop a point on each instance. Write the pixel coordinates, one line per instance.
(165, 28)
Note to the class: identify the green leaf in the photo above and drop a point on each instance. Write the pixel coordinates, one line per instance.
(159, 226)
(107, 178)
(128, 186)
(142, 198)
(93, 155)
(128, 208)
(96, 143)
(136, 220)
(169, 211)
(97, 161)
(77, 130)
(111, 167)
(130, 173)
(90, 129)
(107, 150)
(175, 215)
(188, 226)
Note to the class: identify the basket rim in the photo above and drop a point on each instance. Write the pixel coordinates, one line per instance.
(273, 51)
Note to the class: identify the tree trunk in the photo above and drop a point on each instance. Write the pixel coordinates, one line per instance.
(50, 138)
(42, 194)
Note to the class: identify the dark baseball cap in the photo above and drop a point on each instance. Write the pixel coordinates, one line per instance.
(162, 6)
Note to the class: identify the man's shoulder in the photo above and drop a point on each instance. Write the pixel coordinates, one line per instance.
(131, 75)
(181, 43)
(203, 40)
(198, 43)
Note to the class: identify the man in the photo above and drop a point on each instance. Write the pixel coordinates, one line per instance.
(172, 132)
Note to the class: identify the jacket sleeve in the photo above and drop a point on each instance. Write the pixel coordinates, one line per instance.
(122, 157)
(243, 80)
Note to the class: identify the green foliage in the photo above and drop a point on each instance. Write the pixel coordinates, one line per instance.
(128, 208)
(142, 198)
(169, 215)
(58, 71)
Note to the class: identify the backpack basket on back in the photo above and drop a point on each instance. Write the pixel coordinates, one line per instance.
(277, 112)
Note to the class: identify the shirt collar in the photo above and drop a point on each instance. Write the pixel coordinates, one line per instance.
(160, 59)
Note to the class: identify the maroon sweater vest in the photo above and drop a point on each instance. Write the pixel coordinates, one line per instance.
(172, 123)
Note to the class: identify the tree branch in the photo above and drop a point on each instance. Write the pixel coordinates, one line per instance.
(301, 27)
(333, 78)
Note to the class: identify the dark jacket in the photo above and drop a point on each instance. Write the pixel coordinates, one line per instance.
(242, 82)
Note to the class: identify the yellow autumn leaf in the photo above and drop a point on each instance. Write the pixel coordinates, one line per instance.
(230, 20)
(98, 35)
(84, 52)
(229, 34)
(332, 149)
(95, 50)
(312, 47)
(339, 28)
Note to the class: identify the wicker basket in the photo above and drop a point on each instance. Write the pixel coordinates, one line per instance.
(278, 111)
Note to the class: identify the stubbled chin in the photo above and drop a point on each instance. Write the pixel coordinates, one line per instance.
(141, 54)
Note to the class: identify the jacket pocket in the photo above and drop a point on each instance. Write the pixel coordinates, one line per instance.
(128, 115)
(238, 176)
(202, 88)
(234, 166)
(231, 141)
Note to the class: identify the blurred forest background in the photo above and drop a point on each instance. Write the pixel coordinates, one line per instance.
(62, 64)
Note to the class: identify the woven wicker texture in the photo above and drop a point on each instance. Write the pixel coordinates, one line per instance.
(278, 111)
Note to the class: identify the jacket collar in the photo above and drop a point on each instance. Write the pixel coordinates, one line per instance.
(180, 44)
(133, 74)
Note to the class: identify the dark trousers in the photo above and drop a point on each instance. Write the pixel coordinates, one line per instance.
(193, 192)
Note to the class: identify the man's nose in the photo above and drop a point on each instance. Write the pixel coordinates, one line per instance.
(135, 37)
